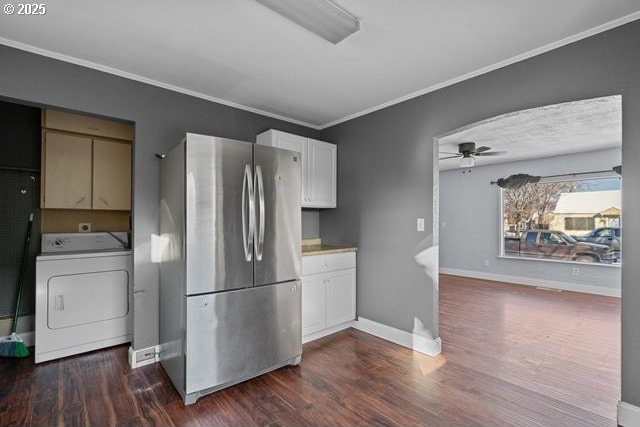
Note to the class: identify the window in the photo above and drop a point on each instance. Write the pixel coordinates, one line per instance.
(550, 238)
(605, 232)
(549, 220)
(582, 223)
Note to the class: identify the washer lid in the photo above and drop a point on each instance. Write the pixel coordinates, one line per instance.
(55, 256)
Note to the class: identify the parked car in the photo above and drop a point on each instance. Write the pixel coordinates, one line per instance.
(557, 245)
(610, 236)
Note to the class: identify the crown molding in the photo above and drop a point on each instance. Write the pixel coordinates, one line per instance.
(121, 73)
(546, 48)
(142, 79)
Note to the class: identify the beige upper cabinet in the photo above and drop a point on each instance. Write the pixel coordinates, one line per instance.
(111, 175)
(67, 171)
(319, 166)
(86, 162)
(76, 123)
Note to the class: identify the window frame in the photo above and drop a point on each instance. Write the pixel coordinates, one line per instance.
(559, 178)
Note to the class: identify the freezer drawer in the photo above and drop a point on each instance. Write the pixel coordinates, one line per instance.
(236, 335)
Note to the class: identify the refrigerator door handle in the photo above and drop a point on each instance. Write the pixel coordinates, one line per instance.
(247, 235)
(260, 228)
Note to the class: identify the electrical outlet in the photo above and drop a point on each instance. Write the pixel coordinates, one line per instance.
(486, 263)
(84, 227)
(420, 224)
(576, 271)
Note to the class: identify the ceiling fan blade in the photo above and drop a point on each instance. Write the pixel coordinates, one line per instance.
(492, 153)
(450, 157)
(450, 152)
(481, 149)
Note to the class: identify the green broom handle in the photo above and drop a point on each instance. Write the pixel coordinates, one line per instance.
(23, 269)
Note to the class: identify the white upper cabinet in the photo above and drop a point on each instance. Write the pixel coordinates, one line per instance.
(319, 166)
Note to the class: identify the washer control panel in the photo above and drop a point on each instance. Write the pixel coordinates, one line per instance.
(80, 242)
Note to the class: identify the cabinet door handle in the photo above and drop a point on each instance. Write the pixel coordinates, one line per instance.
(104, 201)
(80, 200)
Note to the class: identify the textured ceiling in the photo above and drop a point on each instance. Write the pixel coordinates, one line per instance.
(571, 127)
(240, 53)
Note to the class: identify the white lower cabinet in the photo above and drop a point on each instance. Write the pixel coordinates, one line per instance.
(314, 305)
(328, 294)
(341, 297)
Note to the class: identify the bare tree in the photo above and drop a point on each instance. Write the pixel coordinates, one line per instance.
(532, 205)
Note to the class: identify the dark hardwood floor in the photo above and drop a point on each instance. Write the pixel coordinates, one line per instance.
(512, 356)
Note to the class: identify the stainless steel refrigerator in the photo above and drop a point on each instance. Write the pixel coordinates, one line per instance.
(230, 268)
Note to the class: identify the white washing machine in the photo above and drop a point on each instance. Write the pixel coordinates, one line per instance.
(83, 293)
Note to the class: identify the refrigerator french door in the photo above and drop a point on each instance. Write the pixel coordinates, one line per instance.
(230, 276)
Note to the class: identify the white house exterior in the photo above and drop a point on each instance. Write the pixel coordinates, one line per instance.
(579, 212)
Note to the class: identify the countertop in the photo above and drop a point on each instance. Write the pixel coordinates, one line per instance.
(315, 247)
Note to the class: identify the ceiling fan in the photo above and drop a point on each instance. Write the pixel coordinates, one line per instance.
(467, 152)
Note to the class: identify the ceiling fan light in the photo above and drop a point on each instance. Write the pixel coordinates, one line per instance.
(467, 162)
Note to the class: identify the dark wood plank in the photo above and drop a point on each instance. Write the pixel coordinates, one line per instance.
(512, 356)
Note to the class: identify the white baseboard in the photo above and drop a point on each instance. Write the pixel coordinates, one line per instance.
(25, 323)
(146, 356)
(628, 415)
(328, 331)
(518, 280)
(29, 338)
(431, 347)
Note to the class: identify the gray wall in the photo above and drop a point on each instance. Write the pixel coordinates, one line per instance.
(310, 223)
(470, 226)
(161, 118)
(386, 181)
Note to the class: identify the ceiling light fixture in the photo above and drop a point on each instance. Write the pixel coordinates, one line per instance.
(322, 17)
(467, 161)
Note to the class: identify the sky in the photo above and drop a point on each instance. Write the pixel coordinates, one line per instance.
(600, 184)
